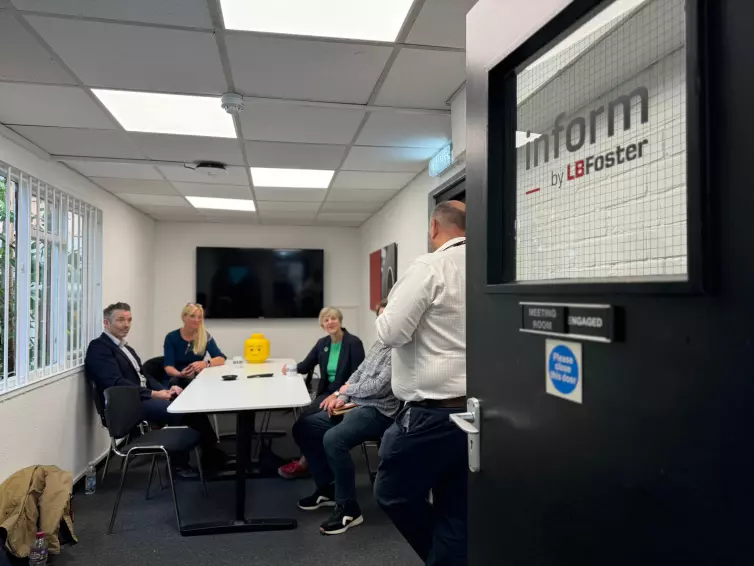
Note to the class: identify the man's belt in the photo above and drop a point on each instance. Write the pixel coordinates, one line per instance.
(454, 403)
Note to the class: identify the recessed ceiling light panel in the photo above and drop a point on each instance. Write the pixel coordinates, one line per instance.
(370, 20)
(222, 203)
(160, 113)
(291, 178)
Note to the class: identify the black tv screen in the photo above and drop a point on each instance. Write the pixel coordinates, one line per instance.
(259, 283)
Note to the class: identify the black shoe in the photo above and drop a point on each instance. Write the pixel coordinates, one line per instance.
(343, 518)
(184, 473)
(324, 497)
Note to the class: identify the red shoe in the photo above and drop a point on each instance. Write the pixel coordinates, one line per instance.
(292, 470)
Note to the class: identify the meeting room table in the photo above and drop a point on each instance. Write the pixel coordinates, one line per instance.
(244, 396)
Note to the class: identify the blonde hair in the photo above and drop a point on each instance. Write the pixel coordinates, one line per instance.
(201, 338)
(330, 311)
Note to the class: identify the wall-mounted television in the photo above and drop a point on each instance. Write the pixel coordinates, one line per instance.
(260, 283)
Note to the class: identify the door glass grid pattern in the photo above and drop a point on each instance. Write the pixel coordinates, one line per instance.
(601, 156)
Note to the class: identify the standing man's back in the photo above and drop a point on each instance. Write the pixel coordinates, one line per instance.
(425, 324)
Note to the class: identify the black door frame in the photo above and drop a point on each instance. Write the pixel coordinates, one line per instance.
(449, 190)
(500, 186)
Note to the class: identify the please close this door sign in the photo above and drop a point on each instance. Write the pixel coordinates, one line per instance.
(564, 370)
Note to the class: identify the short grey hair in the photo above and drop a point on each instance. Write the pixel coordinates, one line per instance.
(110, 310)
(330, 311)
(450, 216)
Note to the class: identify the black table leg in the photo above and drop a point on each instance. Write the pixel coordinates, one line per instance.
(244, 428)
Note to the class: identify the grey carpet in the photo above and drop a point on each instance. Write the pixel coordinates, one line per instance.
(146, 534)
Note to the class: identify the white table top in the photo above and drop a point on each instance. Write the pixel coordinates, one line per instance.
(208, 393)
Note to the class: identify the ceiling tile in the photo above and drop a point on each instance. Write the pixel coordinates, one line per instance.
(234, 176)
(294, 155)
(187, 13)
(237, 216)
(441, 72)
(189, 149)
(388, 159)
(441, 22)
(270, 206)
(138, 199)
(30, 61)
(290, 195)
(343, 218)
(371, 180)
(361, 195)
(336, 206)
(397, 129)
(305, 70)
(269, 121)
(171, 213)
(211, 190)
(115, 169)
(77, 142)
(283, 217)
(37, 105)
(135, 57)
(135, 186)
(254, 219)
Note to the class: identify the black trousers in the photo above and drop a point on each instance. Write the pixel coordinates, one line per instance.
(422, 451)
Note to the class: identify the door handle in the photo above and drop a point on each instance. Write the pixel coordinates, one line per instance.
(470, 422)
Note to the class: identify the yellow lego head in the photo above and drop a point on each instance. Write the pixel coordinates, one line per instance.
(256, 349)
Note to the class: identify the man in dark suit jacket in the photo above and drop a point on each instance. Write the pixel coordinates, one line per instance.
(111, 362)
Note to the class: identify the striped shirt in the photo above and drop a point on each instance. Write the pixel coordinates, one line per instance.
(369, 385)
(425, 324)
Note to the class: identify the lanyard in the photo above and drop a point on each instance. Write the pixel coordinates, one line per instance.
(463, 243)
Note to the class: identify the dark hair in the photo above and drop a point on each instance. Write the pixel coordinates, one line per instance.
(110, 309)
(381, 305)
(450, 216)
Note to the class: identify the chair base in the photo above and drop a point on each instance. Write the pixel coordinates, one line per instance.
(247, 526)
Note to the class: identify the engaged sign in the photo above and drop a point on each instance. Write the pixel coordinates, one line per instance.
(589, 322)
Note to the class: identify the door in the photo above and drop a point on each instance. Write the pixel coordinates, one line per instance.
(633, 445)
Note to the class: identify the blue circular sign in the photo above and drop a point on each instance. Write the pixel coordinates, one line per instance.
(563, 369)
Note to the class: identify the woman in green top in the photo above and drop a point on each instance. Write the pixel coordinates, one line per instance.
(338, 355)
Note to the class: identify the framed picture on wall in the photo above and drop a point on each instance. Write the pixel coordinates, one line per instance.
(383, 273)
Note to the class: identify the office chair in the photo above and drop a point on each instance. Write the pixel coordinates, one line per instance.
(370, 444)
(123, 414)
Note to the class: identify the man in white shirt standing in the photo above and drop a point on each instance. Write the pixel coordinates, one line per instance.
(425, 324)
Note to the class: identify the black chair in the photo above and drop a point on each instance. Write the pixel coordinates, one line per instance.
(155, 368)
(123, 415)
(370, 444)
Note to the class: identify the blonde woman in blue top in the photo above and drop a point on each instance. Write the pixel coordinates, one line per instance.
(190, 349)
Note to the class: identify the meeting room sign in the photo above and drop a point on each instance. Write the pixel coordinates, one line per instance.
(575, 134)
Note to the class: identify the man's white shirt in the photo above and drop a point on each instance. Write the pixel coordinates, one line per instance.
(425, 324)
(122, 345)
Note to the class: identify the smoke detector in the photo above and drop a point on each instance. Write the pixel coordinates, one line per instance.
(231, 102)
(208, 168)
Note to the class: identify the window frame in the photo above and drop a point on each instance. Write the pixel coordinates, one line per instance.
(65, 233)
(499, 189)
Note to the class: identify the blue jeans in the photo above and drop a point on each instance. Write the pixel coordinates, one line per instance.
(327, 442)
(428, 454)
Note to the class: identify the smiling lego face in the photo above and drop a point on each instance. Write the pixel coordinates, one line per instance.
(257, 349)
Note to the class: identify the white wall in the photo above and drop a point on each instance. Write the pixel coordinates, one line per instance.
(54, 421)
(174, 281)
